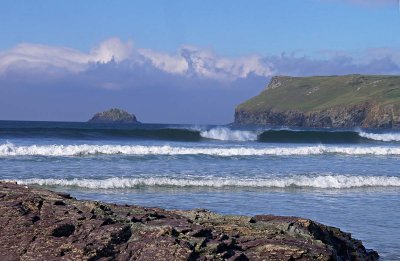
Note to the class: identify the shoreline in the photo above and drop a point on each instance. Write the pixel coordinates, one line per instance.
(39, 224)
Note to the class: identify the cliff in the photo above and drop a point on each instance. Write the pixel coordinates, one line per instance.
(113, 116)
(325, 101)
(38, 224)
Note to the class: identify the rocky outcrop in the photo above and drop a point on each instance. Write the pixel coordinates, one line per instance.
(325, 102)
(37, 224)
(114, 116)
(366, 115)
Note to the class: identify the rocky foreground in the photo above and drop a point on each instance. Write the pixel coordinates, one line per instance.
(37, 224)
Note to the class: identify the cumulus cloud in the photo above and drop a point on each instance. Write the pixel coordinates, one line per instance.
(111, 49)
(30, 56)
(35, 55)
(206, 64)
(175, 64)
(189, 61)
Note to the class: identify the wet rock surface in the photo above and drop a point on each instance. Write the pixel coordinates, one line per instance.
(37, 224)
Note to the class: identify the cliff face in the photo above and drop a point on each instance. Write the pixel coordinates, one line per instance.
(334, 101)
(113, 116)
(38, 224)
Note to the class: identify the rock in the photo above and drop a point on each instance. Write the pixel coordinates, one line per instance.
(320, 102)
(36, 226)
(113, 116)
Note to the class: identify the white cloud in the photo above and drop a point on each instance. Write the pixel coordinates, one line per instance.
(169, 63)
(112, 48)
(190, 61)
(204, 63)
(35, 55)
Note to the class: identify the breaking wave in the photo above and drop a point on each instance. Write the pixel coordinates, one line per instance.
(196, 134)
(322, 181)
(381, 136)
(9, 149)
(229, 135)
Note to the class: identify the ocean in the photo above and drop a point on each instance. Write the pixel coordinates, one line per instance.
(344, 178)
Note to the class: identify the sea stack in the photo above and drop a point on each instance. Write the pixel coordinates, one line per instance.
(350, 101)
(114, 115)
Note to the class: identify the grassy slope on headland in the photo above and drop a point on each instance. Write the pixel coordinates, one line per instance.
(323, 92)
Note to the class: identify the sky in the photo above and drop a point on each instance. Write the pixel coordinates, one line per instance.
(180, 61)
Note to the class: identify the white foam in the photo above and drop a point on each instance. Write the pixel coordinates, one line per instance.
(380, 136)
(322, 181)
(228, 134)
(10, 149)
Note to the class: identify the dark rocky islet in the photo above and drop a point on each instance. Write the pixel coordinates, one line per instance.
(114, 115)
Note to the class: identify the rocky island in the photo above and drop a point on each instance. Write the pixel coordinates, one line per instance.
(114, 115)
(349, 101)
(38, 224)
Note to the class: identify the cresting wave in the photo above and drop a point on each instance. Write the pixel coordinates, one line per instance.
(96, 133)
(323, 182)
(381, 136)
(196, 134)
(229, 135)
(10, 149)
(321, 136)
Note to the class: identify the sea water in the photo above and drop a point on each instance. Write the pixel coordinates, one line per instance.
(344, 178)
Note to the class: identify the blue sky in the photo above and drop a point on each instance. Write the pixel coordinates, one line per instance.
(230, 28)
(191, 60)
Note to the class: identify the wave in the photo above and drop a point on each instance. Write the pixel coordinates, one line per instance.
(381, 136)
(302, 181)
(10, 149)
(229, 135)
(298, 136)
(196, 134)
(324, 136)
(174, 134)
(309, 136)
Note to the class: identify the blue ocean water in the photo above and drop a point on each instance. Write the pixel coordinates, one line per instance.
(348, 179)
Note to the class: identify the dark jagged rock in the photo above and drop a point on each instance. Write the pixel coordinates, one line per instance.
(331, 101)
(114, 116)
(35, 226)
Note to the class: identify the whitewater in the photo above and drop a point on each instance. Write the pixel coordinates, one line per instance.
(9, 149)
(321, 181)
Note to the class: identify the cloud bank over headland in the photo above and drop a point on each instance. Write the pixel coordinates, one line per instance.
(54, 82)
